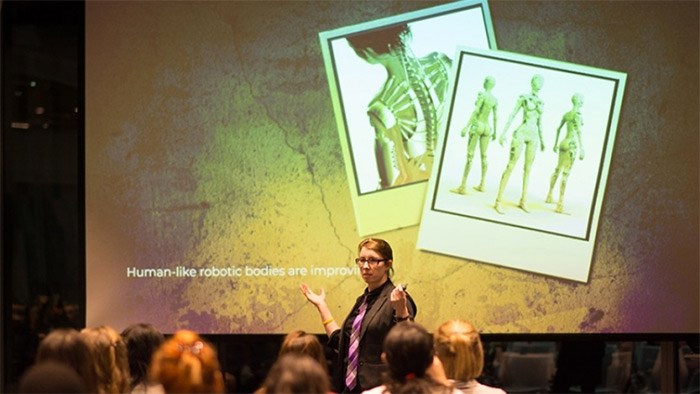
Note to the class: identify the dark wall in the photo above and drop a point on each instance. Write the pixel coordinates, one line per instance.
(42, 50)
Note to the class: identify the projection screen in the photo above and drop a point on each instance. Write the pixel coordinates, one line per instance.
(227, 160)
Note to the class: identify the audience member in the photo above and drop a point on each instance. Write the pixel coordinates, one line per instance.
(51, 377)
(300, 342)
(296, 373)
(110, 359)
(67, 346)
(186, 363)
(458, 346)
(142, 340)
(409, 354)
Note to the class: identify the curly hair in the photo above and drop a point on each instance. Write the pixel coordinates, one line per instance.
(110, 358)
(186, 363)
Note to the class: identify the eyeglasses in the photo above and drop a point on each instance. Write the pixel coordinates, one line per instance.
(360, 261)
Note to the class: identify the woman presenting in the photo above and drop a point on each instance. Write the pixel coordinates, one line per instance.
(358, 341)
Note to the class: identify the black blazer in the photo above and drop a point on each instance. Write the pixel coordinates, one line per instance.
(378, 320)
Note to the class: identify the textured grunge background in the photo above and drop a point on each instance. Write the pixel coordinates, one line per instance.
(211, 142)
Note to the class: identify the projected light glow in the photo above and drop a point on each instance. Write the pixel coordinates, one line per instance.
(213, 151)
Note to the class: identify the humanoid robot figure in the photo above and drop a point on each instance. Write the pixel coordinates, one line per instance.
(479, 131)
(405, 113)
(567, 149)
(526, 136)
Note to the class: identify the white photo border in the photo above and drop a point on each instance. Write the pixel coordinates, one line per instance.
(379, 210)
(542, 241)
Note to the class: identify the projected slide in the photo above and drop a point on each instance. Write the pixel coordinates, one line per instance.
(545, 132)
(235, 149)
(389, 79)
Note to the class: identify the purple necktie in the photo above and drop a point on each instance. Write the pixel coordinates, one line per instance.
(354, 349)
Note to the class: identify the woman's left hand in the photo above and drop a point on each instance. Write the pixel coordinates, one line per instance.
(399, 302)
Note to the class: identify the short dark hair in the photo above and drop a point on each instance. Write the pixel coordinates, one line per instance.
(409, 350)
(379, 40)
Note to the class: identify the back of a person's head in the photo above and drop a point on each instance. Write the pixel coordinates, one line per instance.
(300, 342)
(408, 351)
(296, 373)
(458, 345)
(51, 377)
(110, 358)
(142, 340)
(186, 363)
(68, 347)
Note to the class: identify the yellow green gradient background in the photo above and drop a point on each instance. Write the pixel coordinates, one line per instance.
(211, 142)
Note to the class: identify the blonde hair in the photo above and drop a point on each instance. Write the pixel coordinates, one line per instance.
(186, 363)
(110, 359)
(458, 345)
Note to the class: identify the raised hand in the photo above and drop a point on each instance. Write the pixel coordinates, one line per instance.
(399, 301)
(316, 299)
(319, 300)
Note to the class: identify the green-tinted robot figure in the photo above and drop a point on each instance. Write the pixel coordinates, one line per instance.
(405, 114)
(567, 149)
(480, 131)
(526, 136)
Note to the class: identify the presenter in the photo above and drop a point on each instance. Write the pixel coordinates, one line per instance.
(358, 340)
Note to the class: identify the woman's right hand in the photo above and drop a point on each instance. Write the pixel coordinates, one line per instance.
(316, 299)
(329, 324)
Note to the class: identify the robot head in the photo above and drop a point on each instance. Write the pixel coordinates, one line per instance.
(489, 82)
(537, 82)
(577, 99)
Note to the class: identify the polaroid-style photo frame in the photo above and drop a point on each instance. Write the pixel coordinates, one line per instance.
(493, 217)
(389, 83)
